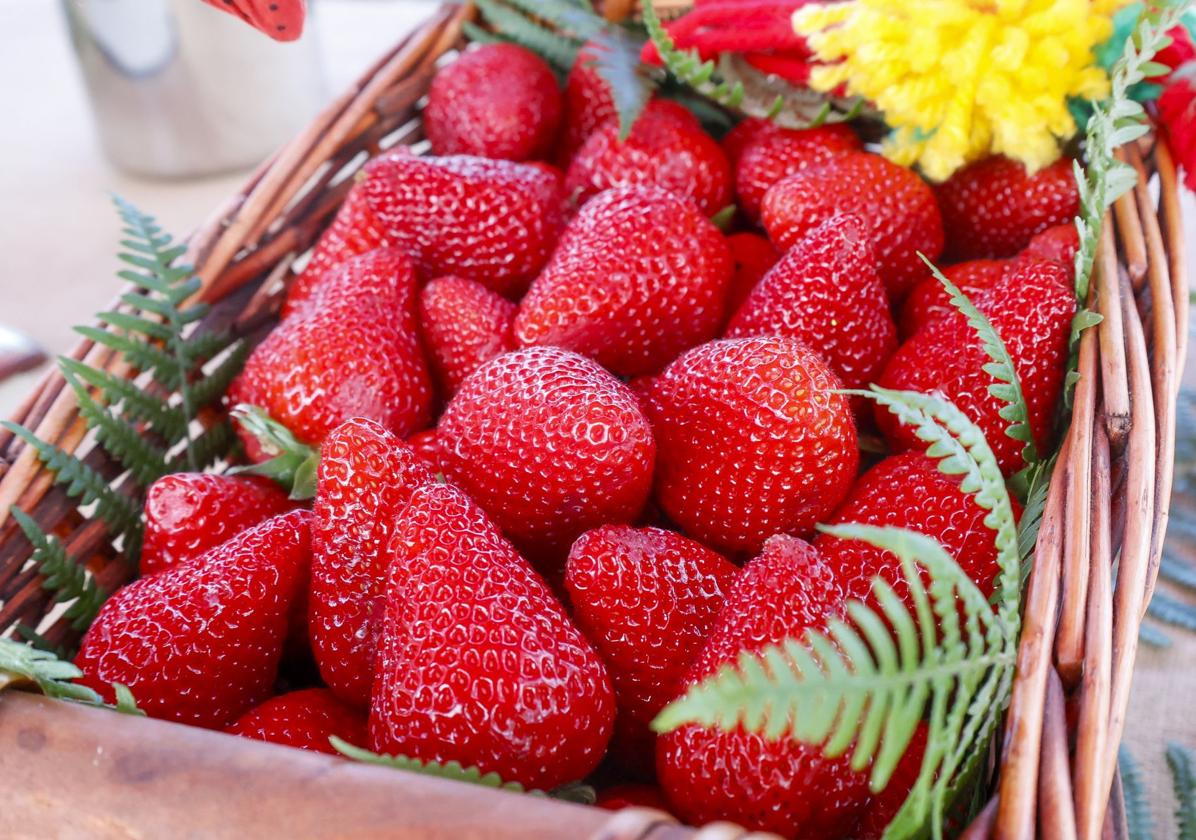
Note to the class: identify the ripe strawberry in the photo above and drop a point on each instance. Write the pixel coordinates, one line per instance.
(770, 155)
(753, 256)
(1058, 243)
(464, 325)
(478, 661)
(744, 134)
(550, 445)
(497, 101)
(752, 440)
(282, 20)
(639, 275)
(827, 293)
(492, 221)
(588, 102)
(427, 446)
(928, 301)
(883, 806)
(200, 643)
(354, 351)
(618, 797)
(993, 207)
(355, 230)
(188, 513)
(661, 151)
(304, 719)
(781, 786)
(647, 599)
(897, 205)
(909, 491)
(1031, 309)
(365, 478)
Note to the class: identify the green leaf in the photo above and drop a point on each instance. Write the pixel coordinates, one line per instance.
(135, 404)
(1171, 610)
(558, 50)
(722, 219)
(62, 574)
(452, 770)
(22, 664)
(294, 463)
(1137, 808)
(687, 67)
(1183, 782)
(578, 22)
(616, 59)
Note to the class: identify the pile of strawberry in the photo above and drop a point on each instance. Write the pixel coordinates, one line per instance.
(569, 443)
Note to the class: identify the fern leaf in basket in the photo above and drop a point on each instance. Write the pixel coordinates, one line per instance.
(688, 67)
(62, 574)
(451, 770)
(1139, 824)
(1183, 782)
(22, 664)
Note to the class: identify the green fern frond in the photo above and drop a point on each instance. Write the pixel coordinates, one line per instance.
(212, 386)
(40, 642)
(62, 574)
(688, 67)
(617, 62)
(1148, 634)
(1139, 824)
(558, 50)
(1171, 610)
(135, 404)
(208, 448)
(142, 356)
(1178, 571)
(22, 664)
(570, 18)
(452, 770)
(1183, 782)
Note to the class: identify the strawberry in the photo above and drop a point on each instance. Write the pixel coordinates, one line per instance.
(200, 643)
(282, 20)
(304, 719)
(744, 134)
(464, 324)
(993, 207)
(647, 599)
(897, 205)
(661, 151)
(928, 301)
(588, 102)
(908, 491)
(753, 256)
(188, 513)
(550, 445)
(497, 101)
(352, 351)
(354, 231)
(1058, 243)
(767, 156)
(478, 661)
(365, 478)
(1031, 310)
(752, 440)
(492, 221)
(883, 806)
(781, 786)
(618, 797)
(639, 275)
(827, 293)
(427, 446)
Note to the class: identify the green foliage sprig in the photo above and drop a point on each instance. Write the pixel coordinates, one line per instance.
(22, 664)
(1139, 823)
(449, 770)
(688, 67)
(62, 574)
(1183, 783)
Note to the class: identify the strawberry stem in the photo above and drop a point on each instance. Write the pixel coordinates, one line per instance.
(294, 463)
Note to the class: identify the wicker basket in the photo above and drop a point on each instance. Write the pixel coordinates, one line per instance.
(86, 772)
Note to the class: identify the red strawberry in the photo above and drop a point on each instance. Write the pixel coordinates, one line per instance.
(993, 207)
(188, 513)
(883, 806)
(827, 293)
(497, 101)
(464, 325)
(928, 301)
(661, 151)
(353, 352)
(200, 643)
(550, 445)
(744, 134)
(770, 155)
(1031, 309)
(897, 205)
(1058, 243)
(639, 275)
(427, 446)
(753, 256)
(618, 797)
(647, 599)
(304, 719)
(478, 661)
(365, 478)
(282, 20)
(908, 491)
(354, 231)
(781, 786)
(588, 102)
(492, 221)
(752, 441)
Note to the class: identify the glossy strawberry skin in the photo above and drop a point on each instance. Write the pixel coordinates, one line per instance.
(993, 207)
(464, 325)
(188, 513)
(781, 786)
(827, 293)
(751, 441)
(365, 478)
(305, 719)
(478, 662)
(770, 155)
(550, 445)
(897, 205)
(647, 599)
(352, 351)
(427, 446)
(928, 301)
(639, 276)
(1058, 243)
(753, 255)
(1031, 310)
(200, 643)
(496, 101)
(492, 221)
(744, 134)
(661, 151)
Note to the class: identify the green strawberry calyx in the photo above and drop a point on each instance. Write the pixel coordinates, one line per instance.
(294, 463)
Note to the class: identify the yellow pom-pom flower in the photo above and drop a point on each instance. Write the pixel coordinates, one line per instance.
(958, 80)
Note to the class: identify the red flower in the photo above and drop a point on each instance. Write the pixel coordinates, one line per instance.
(1177, 114)
(1180, 51)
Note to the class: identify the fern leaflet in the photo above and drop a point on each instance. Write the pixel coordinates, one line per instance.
(1183, 781)
(1139, 824)
(558, 50)
(26, 665)
(62, 574)
(451, 770)
(687, 65)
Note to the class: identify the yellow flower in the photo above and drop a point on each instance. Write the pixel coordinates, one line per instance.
(958, 80)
